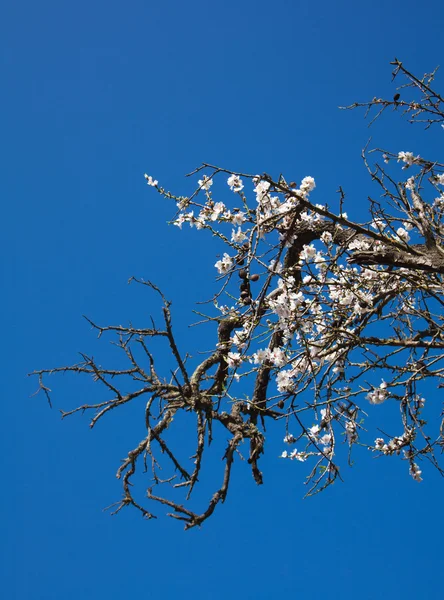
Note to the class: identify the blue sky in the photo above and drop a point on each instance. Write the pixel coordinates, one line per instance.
(94, 95)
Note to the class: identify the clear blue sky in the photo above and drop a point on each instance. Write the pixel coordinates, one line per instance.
(94, 94)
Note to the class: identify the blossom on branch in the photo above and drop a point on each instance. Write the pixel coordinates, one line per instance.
(309, 306)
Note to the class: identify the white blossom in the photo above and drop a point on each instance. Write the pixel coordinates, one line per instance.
(325, 440)
(235, 183)
(307, 185)
(234, 359)
(378, 395)
(225, 264)
(238, 218)
(410, 184)
(150, 181)
(261, 190)
(378, 224)
(260, 356)
(205, 183)
(238, 236)
(308, 252)
(313, 431)
(277, 357)
(408, 158)
(415, 472)
(402, 234)
(327, 237)
(284, 382)
(301, 456)
(217, 210)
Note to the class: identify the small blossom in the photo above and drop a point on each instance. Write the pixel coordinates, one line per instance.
(260, 356)
(277, 357)
(313, 431)
(378, 395)
(407, 158)
(325, 440)
(284, 382)
(235, 183)
(379, 443)
(238, 218)
(205, 183)
(410, 184)
(378, 224)
(261, 190)
(327, 237)
(150, 181)
(402, 234)
(217, 210)
(415, 472)
(225, 264)
(239, 339)
(301, 456)
(234, 359)
(307, 185)
(308, 252)
(238, 236)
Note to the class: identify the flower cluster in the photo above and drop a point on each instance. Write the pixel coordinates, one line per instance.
(306, 323)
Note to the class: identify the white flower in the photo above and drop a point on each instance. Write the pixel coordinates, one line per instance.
(402, 234)
(179, 221)
(327, 237)
(235, 183)
(150, 181)
(205, 183)
(308, 252)
(261, 190)
(378, 395)
(261, 356)
(217, 210)
(301, 456)
(234, 359)
(239, 339)
(307, 185)
(407, 158)
(440, 179)
(275, 266)
(284, 454)
(325, 439)
(289, 439)
(277, 357)
(379, 443)
(378, 224)
(410, 184)
(313, 431)
(238, 218)
(415, 472)
(225, 264)
(238, 236)
(283, 381)
(439, 202)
